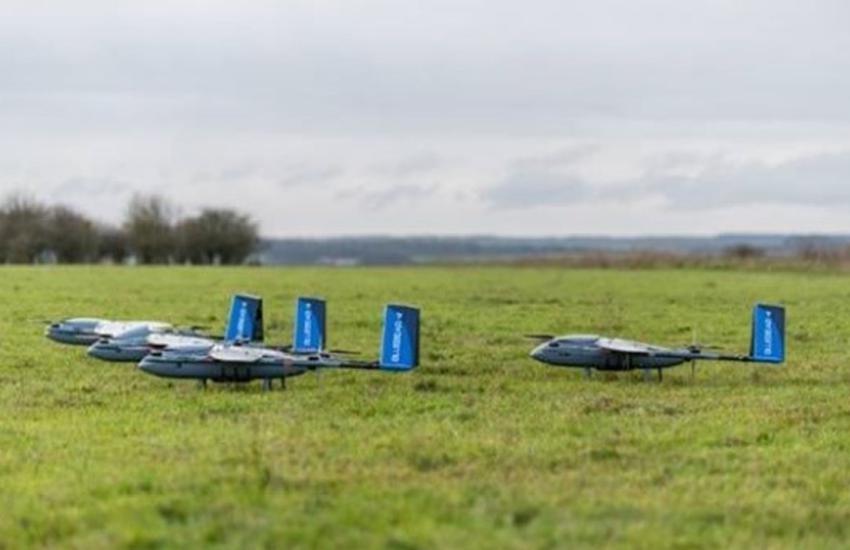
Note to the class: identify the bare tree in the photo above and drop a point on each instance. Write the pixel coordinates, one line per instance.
(744, 252)
(32, 232)
(150, 229)
(23, 229)
(217, 236)
(72, 237)
(113, 244)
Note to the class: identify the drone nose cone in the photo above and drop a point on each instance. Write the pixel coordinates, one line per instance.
(148, 365)
(144, 365)
(151, 365)
(98, 351)
(56, 333)
(158, 366)
(106, 350)
(538, 353)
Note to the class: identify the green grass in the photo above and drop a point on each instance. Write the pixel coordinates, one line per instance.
(479, 448)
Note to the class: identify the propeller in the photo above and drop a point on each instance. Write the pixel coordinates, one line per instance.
(192, 330)
(289, 348)
(540, 337)
(696, 348)
(343, 352)
(693, 348)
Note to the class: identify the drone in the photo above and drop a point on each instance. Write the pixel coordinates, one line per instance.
(591, 352)
(85, 331)
(245, 324)
(238, 362)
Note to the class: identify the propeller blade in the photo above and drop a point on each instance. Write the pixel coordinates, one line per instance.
(540, 337)
(696, 348)
(344, 352)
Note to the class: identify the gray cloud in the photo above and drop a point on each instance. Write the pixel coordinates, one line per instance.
(541, 180)
(565, 157)
(309, 175)
(377, 199)
(819, 180)
(544, 67)
(715, 182)
(78, 187)
(335, 105)
(524, 189)
(414, 165)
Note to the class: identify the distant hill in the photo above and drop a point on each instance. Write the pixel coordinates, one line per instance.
(423, 250)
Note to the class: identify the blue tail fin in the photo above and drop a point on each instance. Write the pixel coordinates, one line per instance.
(245, 322)
(310, 334)
(768, 339)
(400, 341)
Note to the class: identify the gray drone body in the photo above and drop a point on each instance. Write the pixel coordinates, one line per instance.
(132, 345)
(238, 362)
(84, 331)
(590, 352)
(131, 341)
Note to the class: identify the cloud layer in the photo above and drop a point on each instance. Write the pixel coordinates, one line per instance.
(690, 183)
(332, 117)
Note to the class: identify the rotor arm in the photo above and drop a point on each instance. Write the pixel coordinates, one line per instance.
(702, 356)
(337, 363)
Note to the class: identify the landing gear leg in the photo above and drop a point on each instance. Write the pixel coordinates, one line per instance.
(202, 384)
(283, 383)
(267, 384)
(660, 376)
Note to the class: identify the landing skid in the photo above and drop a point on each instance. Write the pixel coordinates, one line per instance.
(647, 375)
(268, 384)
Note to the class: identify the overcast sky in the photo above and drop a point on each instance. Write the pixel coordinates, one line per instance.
(547, 117)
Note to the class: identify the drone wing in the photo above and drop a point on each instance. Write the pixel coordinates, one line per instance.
(627, 347)
(165, 340)
(237, 354)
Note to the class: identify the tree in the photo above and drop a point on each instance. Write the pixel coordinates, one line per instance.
(113, 244)
(744, 252)
(23, 229)
(150, 229)
(217, 236)
(72, 237)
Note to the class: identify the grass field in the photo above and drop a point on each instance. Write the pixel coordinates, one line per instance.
(479, 448)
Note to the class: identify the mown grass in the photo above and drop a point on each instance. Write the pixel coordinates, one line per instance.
(479, 448)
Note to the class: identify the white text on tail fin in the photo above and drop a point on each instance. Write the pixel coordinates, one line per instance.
(310, 325)
(767, 344)
(245, 322)
(400, 338)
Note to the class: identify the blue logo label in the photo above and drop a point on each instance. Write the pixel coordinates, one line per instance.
(245, 322)
(398, 336)
(308, 325)
(309, 332)
(767, 333)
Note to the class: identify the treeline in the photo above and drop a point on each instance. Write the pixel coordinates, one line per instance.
(152, 233)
